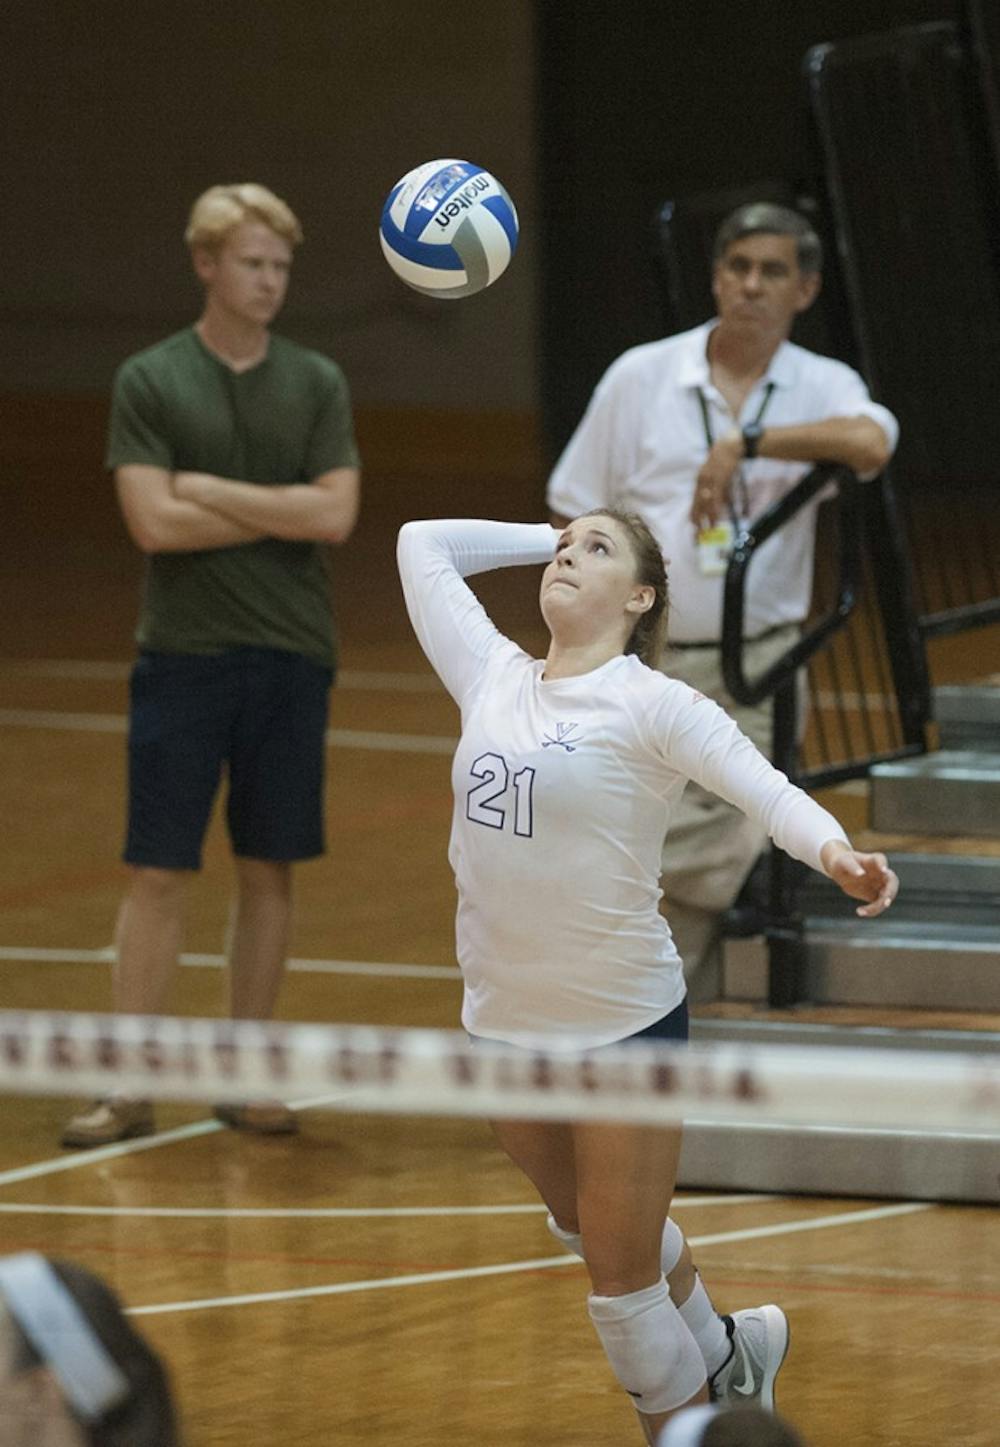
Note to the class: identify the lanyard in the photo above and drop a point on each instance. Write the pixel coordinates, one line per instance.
(706, 419)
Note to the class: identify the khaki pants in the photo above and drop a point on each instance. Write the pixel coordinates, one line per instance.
(712, 846)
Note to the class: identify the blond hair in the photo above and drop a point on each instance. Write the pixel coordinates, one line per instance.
(221, 208)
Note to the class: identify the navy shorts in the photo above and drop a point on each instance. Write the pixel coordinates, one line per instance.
(674, 1026)
(257, 716)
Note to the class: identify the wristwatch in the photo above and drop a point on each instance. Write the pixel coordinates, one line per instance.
(752, 434)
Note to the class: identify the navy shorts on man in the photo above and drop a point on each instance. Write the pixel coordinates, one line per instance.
(257, 716)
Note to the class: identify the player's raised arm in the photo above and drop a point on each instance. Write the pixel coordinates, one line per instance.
(451, 624)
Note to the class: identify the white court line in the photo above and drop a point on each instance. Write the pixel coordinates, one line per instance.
(373, 681)
(343, 1288)
(115, 723)
(80, 670)
(814, 1223)
(266, 1213)
(37, 718)
(77, 669)
(471, 1273)
(78, 1159)
(325, 1213)
(352, 680)
(96, 1154)
(38, 955)
(392, 743)
(108, 1153)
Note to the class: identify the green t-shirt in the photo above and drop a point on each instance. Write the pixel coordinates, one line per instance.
(286, 420)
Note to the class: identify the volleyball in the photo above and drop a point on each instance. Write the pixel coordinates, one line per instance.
(448, 228)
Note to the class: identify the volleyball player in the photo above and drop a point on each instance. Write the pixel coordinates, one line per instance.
(565, 777)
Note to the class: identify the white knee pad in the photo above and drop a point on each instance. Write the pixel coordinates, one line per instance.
(671, 1246)
(572, 1239)
(650, 1350)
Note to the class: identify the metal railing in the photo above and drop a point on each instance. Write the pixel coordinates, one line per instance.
(906, 125)
(904, 678)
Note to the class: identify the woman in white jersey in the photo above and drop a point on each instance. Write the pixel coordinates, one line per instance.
(565, 777)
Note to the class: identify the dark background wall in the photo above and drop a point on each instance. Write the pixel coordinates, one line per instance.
(644, 101)
(115, 114)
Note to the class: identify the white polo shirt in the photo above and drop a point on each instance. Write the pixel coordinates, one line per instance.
(642, 441)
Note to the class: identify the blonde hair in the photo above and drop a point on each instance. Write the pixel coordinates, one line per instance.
(221, 208)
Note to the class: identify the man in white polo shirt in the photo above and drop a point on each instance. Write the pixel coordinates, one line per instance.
(699, 433)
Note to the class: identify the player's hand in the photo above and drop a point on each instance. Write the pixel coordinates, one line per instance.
(711, 492)
(862, 876)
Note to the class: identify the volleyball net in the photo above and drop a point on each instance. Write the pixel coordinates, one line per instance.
(367, 1068)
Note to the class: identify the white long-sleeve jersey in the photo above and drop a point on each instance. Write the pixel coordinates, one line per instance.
(564, 790)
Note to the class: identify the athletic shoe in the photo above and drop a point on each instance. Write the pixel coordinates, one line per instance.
(107, 1121)
(259, 1118)
(760, 1342)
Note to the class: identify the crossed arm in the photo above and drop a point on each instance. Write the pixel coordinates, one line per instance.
(189, 511)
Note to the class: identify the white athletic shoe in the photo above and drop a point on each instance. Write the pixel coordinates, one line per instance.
(760, 1342)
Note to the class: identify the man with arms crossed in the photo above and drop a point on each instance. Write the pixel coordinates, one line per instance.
(699, 433)
(235, 463)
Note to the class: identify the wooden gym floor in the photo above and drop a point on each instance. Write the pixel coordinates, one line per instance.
(383, 1280)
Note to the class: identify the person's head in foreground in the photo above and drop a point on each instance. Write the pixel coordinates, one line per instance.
(715, 1427)
(606, 587)
(73, 1371)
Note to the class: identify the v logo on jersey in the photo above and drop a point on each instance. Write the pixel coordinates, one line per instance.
(564, 732)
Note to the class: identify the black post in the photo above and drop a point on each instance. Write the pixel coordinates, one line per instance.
(892, 569)
(785, 947)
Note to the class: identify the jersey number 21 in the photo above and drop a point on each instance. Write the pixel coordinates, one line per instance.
(489, 801)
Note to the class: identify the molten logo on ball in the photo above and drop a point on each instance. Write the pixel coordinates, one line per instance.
(448, 228)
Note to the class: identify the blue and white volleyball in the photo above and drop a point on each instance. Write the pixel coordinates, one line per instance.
(448, 228)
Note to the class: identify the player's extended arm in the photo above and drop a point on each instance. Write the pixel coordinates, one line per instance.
(323, 510)
(704, 743)
(159, 521)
